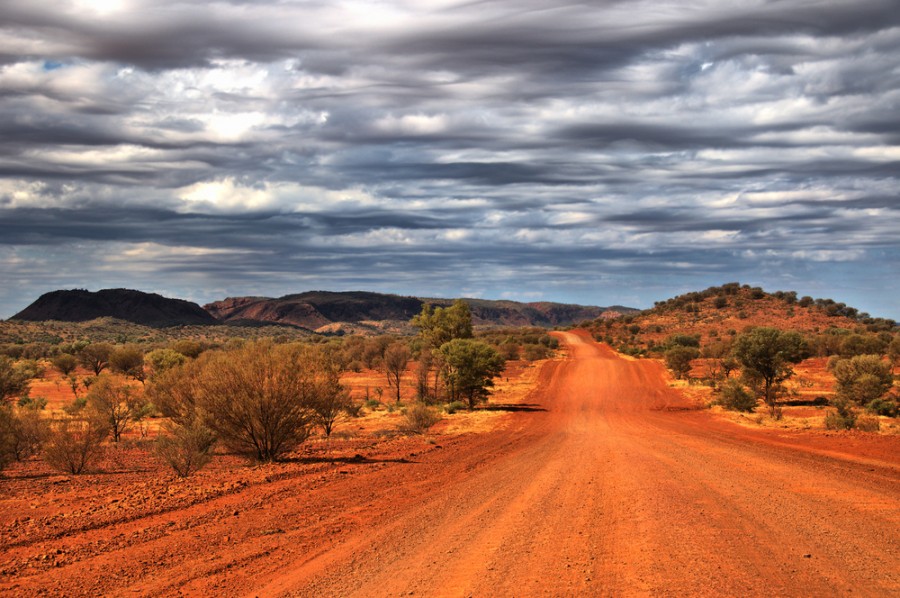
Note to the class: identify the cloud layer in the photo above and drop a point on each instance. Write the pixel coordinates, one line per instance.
(615, 152)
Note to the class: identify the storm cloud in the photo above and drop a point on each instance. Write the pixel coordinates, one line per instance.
(605, 152)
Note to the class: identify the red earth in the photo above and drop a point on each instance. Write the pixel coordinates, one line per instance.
(604, 481)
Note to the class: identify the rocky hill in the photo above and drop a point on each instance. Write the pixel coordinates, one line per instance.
(321, 311)
(719, 313)
(148, 309)
(331, 311)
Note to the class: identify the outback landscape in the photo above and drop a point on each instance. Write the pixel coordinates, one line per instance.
(628, 452)
(436, 298)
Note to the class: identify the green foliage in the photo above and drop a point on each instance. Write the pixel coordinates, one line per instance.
(396, 357)
(862, 379)
(859, 344)
(678, 360)
(113, 404)
(95, 357)
(843, 417)
(162, 360)
(128, 360)
(13, 380)
(885, 407)
(65, 363)
(735, 397)
(328, 398)
(22, 433)
(258, 399)
(684, 340)
(439, 325)
(470, 369)
(188, 347)
(766, 355)
(186, 448)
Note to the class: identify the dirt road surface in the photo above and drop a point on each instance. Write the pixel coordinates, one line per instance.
(606, 483)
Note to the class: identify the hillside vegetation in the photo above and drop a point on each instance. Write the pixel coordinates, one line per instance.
(720, 313)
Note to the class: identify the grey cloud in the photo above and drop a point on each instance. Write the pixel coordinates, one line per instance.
(561, 139)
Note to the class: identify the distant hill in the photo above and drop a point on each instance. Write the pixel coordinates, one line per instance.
(147, 309)
(321, 311)
(719, 313)
(333, 311)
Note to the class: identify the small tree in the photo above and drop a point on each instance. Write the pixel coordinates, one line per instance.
(439, 325)
(129, 361)
(678, 359)
(73, 444)
(95, 357)
(329, 400)
(423, 374)
(766, 355)
(470, 369)
(65, 363)
(113, 404)
(396, 357)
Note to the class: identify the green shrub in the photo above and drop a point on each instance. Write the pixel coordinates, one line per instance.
(735, 397)
(419, 418)
(884, 407)
(187, 448)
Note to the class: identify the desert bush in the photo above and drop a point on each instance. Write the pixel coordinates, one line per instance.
(162, 360)
(186, 449)
(328, 398)
(353, 409)
(842, 418)
(23, 430)
(735, 397)
(73, 444)
(129, 361)
(534, 352)
(65, 363)
(862, 378)
(95, 357)
(7, 454)
(883, 407)
(419, 418)
(455, 406)
(868, 423)
(258, 399)
(394, 360)
(13, 381)
(189, 348)
(113, 404)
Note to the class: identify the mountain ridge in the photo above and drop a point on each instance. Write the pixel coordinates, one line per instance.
(322, 311)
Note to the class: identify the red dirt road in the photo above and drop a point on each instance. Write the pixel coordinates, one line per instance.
(606, 484)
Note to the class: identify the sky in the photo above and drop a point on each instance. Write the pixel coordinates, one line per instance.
(607, 152)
